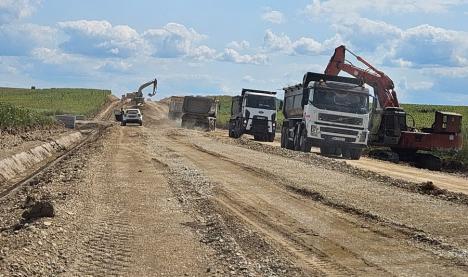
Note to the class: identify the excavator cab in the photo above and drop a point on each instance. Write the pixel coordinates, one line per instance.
(393, 123)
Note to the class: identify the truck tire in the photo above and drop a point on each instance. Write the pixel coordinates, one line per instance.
(287, 143)
(271, 137)
(304, 142)
(355, 153)
(346, 152)
(283, 136)
(141, 123)
(124, 123)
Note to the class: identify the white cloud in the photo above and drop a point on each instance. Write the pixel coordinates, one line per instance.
(301, 46)
(12, 10)
(365, 34)
(21, 39)
(337, 8)
(271, 16)
(231, 55)
(431, 46)
(101, 39)
(173, 40)
(238, 45)
(202, 53)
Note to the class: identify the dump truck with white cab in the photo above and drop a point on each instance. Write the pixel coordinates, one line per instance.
(254, 113)
(330, 112)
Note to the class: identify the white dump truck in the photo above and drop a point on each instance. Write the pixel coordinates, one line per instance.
(253, 113)
(329, 112)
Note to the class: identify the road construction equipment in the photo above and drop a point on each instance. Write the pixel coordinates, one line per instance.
(388, 126)
(329, 112)
(254, 113)
(199, 112)
(175, 107)
(138, 97)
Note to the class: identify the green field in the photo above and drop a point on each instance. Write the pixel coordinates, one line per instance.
(26, 107)
(423, 117)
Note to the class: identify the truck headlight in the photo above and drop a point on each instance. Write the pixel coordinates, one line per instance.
(274, 124)
(314, 130)
(362, 136)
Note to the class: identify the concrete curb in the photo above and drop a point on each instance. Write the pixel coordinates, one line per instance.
(13, 166)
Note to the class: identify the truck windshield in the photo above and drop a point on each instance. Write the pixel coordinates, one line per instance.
(261, 102)
(341, 101)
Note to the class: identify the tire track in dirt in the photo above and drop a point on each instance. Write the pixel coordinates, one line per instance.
(389, 236)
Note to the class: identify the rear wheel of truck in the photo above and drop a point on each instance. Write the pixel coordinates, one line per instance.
(304, 142)
(355, 153)
(287, 143)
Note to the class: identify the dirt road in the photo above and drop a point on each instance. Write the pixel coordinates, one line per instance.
(158, 200)
(451, 182)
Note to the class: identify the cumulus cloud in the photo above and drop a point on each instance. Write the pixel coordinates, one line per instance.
(21, 39)
(426, 45)
(101, 39)
(174, 40)
(366, 35)
(12, 10)
(272, 16)
(301, 46)
(238, 45)
(231, 55)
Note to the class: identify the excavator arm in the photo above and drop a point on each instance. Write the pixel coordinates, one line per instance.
(145, 85)
(382, 84)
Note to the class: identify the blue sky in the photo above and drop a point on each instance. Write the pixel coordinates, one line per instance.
(218, 47)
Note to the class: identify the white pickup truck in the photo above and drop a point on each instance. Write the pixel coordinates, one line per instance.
(132, 116)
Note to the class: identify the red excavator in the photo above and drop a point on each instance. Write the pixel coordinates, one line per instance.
(388, 126)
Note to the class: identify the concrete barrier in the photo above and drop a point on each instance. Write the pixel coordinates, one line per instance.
(13, 166)
(68, 120)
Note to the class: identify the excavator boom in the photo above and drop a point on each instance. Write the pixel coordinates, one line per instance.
(382, 84)
(389, 127)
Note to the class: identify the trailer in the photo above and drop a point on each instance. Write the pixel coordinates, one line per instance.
(199, 112)
(175, 107)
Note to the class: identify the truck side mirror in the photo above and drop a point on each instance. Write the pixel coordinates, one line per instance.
(280, 105)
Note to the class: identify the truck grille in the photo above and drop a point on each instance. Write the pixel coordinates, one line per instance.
(338, 131)
(332, 138)
(259, 124)
(340, 119)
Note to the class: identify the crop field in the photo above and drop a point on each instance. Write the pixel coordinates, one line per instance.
(56, 101)
(25, 107)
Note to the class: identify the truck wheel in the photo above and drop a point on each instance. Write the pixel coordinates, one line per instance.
(304, 142)
(346, 152)
(141, 123)
(271, 137)
(231, 134)
(124, 123)
(324, 150)
(355, 153)
(287, 143)
(283, 137)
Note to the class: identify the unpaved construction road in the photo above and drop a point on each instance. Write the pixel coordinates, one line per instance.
(158, 200)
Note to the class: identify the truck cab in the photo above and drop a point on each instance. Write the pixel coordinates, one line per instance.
(328, 112)
(254, 113)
